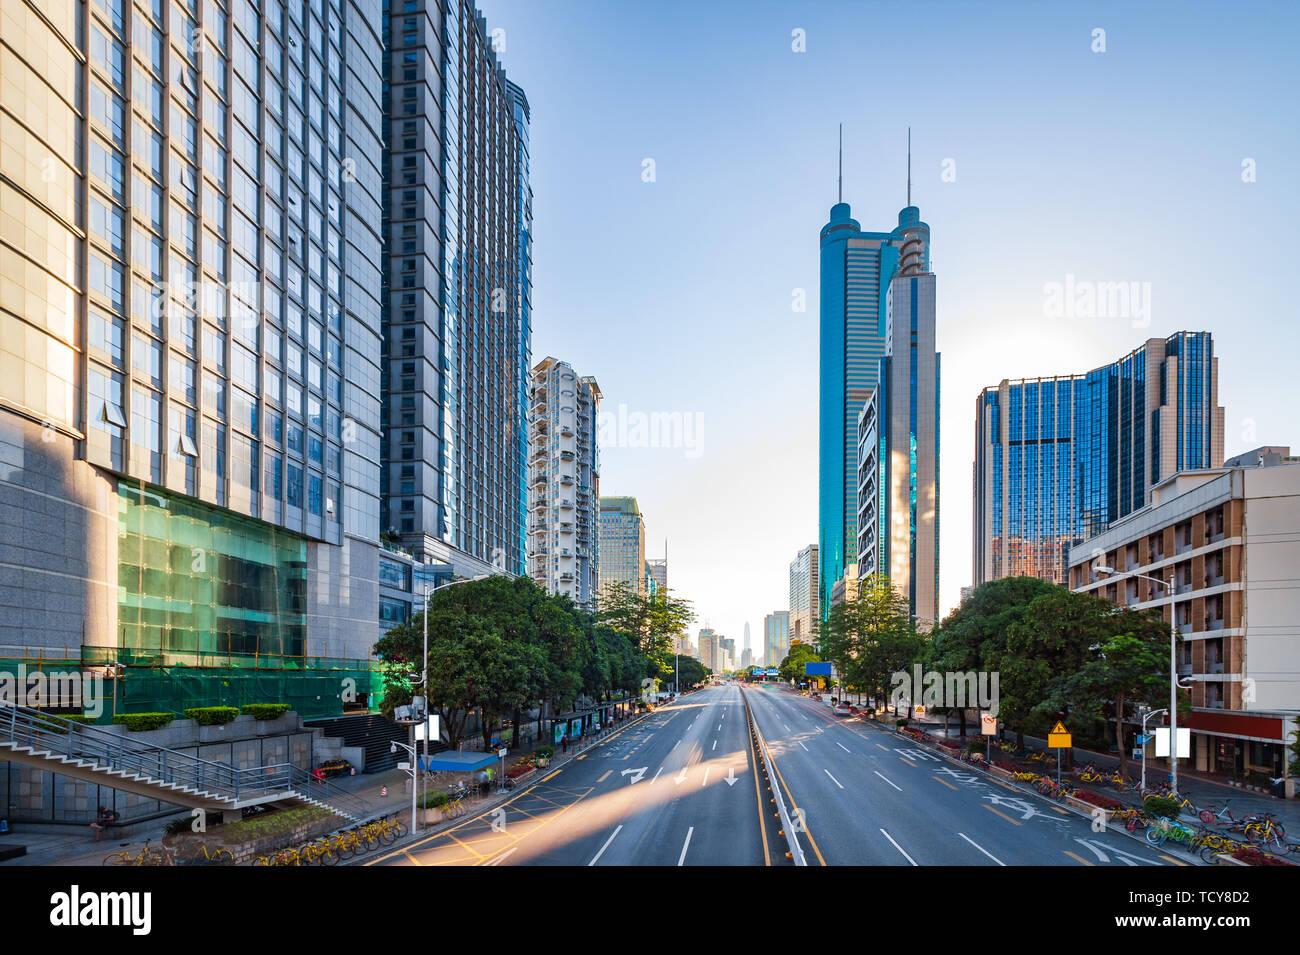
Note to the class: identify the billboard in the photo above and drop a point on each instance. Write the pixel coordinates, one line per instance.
(817, 669)
(772, 671)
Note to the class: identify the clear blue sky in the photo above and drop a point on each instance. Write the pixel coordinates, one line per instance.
(1122, 166)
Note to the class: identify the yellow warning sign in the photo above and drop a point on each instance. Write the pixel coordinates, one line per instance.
(1059, 728)
(1058, 737)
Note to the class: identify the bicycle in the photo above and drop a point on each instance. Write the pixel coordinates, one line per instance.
(1267, 831)
(1211, 816)
(218, 856)
(1157, 835)
(147, 856)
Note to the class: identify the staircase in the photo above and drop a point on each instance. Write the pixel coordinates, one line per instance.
(34, 738)
(374, 734)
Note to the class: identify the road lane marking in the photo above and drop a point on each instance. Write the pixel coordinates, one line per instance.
(800, 742)
(657, 772)
(719, 726)
(496, 860)
(681, 860)
(833, 779)
(1171, 859)
(908, 761)
(787, 727)
(706, 777)
(552, 776)
(1002, 814)
(843, 747)
(890, 781)
(949, 785)
(596, 858)
(885, 748)
(715, 745)
(674, 746)
(1078, 859)
(605, 777)
(982, 849)
(898, 847)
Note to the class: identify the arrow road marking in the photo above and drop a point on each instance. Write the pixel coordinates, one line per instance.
(731, 776)
(637, 775)
(680, 777)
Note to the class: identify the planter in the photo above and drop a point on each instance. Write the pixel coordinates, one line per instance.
(430, 817)
(1224, 859)
(1084, 806)
(1001, 773)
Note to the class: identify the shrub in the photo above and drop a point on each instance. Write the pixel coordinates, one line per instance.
(976, 746)
(264, 711)
(174, 827)
(546, 752)
(902, 723)
(1254, 857)
(140, 722)
(1105, 802)
(1165, 807)
(434, 800)
(212, 715)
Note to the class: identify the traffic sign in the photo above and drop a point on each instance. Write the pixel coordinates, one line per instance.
(988, 725)
(1058, 737)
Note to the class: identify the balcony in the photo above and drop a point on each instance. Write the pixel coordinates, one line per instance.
(566, 504)
(566, 431)
(537, 503)
(566, 527)
(537, 479)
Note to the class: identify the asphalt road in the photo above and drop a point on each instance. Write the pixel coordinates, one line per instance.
(676, 788)
(869, 797)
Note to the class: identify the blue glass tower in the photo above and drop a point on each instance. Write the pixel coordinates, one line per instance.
(856, 269)
(1059, 459)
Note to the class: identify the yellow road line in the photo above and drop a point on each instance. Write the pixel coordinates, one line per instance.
(1002, 814)
(552, 776)
(908, 761)
(605, 777)
(1063, 812)
(885, 748)
(1076, 858)
(949, 785)
(1171, 859)
(793, 804)
(758, 797)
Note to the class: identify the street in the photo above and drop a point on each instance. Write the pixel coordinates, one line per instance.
(680, 788)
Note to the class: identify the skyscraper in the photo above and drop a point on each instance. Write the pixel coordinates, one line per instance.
(856, 270)
(622, 543)
(190, 341)
(805, 595)
(1057, 460)
(659, 571)
(898, 430)
(708, 643)
(456, 298)
(776, 637)
(564, 482)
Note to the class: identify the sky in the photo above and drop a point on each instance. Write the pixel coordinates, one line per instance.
(1169, 158)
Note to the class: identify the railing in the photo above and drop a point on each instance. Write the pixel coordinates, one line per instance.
(111, 752)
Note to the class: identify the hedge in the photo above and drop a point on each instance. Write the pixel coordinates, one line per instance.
(140, 722)
(212, 715)
(264, 711)
(435, 800)
(1162, 806)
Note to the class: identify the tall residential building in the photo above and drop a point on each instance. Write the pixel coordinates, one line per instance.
(1228, 541)
(564, 482)
(776, 637)
(190, 343)
(1057, 460)
(856, 271)
(708, 644)
(898, 432)
(622, 543)
(805, 595)
(457, 211)
(726, 653)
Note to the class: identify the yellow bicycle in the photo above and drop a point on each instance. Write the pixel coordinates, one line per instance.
(146, 856)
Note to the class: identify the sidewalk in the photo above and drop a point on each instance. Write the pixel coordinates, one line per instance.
(1202, 790)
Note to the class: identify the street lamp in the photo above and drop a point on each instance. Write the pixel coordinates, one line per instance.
(1173, 668)
(1148, 716)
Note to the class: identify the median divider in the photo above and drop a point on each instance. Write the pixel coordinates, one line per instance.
(795, 853)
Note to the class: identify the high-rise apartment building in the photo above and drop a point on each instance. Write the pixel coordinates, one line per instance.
(776, 637)
(708, 647)
(898, 434)
(457, 211)
(190, 342)
(622, 543)
(856, 271)
(805, 595)
(1057, 460)
(564, 482)
(726, 653)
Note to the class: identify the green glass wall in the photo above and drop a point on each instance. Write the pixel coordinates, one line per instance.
(199, 585)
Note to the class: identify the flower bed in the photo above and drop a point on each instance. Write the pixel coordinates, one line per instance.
(1096, 799)
(1252, 856)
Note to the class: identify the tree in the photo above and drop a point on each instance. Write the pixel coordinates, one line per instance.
(973, 637)
(653, 621)
(792, 667)
(871, 636)
(1130, 667)
(691, 672)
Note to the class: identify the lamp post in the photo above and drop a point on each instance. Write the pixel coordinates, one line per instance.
(1173, 668)
(1144, 745)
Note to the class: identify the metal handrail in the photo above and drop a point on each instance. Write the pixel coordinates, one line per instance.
(21, 725)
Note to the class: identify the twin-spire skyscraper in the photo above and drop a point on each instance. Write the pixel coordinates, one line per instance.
(878, 488)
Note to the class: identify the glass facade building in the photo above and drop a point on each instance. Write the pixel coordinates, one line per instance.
(189, 309)
(1057, 460)
(457, 268)
(622, 543)
(856, 269)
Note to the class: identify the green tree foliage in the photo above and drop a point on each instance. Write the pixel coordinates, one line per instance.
(870, 637)
(691, 672)
(791, 667)
(653, 621)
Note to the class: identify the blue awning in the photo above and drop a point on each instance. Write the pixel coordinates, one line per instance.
(458, 762)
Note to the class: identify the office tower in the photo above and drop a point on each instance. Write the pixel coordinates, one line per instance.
(659, 571)
(776, 637)
(564, 482)
(726, 653)
(805, 595)
(746, 645)
(746, 658)
(857, 269)
(708, 644)
(622, 543)
(898, 432)
(189, 343)
(1058, 460)
(1225, 539)
(456, 296)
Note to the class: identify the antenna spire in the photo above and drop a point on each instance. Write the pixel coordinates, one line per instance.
(909, 165)
(841, 195)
